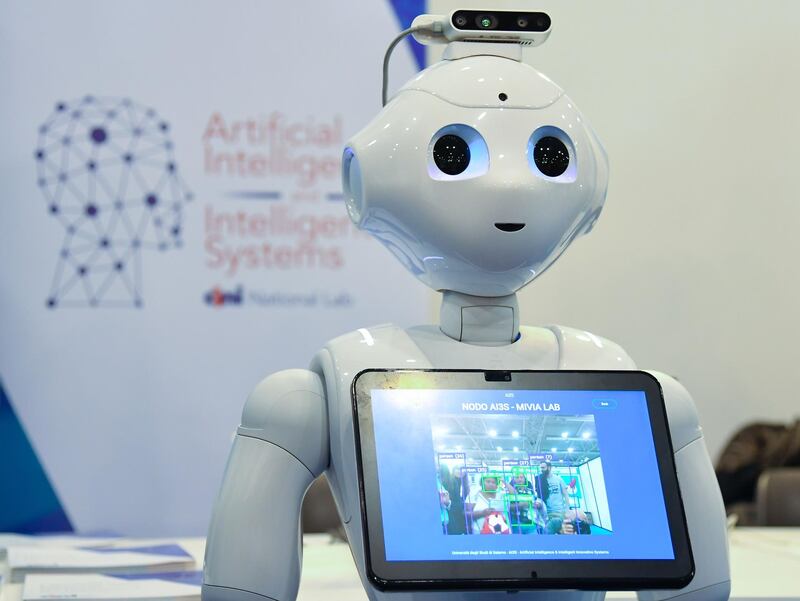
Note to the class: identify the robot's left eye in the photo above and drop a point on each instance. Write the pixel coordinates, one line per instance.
(451, 154)
(457, 152)
(551, 154)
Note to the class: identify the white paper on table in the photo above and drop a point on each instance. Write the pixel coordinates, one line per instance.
(774, 541)
(54, 540)
(106, 587)
(41, 558)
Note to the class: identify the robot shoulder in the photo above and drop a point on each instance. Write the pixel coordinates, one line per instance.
(363, 335)
(578, 349)
(288, 409)
(378, 346)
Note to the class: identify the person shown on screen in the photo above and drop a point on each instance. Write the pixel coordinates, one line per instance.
(520, 484)
(555, 496)
(576, 522)
(454, 487)
(486, 502)
(444, 509)
(444, 497)
(525, 512)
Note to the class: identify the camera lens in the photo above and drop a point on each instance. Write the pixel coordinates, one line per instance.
(522, 23)
(551, 156)
(460, 20)
(486, 21)
(451, 154)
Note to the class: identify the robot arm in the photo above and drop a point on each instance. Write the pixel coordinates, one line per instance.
(702, 502)
(254, 546)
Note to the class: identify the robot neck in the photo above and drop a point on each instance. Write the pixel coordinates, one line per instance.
(487, 321)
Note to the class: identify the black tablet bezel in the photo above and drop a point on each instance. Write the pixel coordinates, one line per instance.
(594, 574)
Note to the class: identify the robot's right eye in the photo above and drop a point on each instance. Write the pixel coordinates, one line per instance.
(457, 152)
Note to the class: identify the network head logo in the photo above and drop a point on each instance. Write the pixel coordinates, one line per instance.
(106, 169)
(217, 297)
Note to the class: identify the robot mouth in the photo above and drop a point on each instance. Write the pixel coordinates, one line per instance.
(509, 227)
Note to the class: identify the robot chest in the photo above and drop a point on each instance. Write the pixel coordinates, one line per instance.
(425, 347)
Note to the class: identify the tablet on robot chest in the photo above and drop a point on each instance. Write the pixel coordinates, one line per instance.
(521, 479)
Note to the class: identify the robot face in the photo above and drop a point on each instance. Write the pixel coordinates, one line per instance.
(476, 176)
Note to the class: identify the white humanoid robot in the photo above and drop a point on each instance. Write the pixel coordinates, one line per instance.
(476, 175)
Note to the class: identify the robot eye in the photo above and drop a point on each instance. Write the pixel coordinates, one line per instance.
(451, 154)
(457, 152)
(551, 154)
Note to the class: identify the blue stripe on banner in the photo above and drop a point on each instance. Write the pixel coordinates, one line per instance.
(406, 10)
(29, 504)
(256, 194)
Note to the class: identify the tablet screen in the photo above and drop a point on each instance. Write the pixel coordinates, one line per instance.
(536, 470)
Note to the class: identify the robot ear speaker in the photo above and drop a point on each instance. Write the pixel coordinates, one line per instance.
(353, 186)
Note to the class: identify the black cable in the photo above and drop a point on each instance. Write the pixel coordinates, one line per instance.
(388, 55)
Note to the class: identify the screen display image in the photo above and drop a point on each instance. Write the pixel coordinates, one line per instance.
(525, 474)
(519, 474)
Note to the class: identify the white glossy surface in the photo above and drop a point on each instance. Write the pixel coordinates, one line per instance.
(476, 81)
(254, 536)
(442, 229)
(287, 408)
(281, 446)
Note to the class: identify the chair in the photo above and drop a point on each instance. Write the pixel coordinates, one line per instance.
(778, 497)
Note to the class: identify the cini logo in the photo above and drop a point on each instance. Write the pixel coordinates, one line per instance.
(106, 169)
(216, 297)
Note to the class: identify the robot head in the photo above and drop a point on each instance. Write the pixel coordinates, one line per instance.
(477, 175)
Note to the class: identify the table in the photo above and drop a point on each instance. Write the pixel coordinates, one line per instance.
(765, 563)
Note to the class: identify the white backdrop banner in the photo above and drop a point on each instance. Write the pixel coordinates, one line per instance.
(173, 231)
